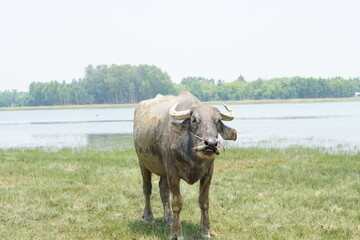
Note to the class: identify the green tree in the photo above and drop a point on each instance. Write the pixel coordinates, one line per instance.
(8, 98)
(24, 100)
(204, 89)
(35, 91)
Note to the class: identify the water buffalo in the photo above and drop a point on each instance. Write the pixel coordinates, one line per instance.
(176, 137)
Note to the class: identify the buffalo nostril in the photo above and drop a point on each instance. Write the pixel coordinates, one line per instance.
(211, 143)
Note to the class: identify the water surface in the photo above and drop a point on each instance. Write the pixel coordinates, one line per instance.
(328, 125)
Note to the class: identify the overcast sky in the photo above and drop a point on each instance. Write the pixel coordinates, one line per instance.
(56, 39)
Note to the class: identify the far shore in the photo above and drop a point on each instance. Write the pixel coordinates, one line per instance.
(131, 105)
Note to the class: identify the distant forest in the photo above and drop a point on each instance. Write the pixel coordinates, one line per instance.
(115, 84)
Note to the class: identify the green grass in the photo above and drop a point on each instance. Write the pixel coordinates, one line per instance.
(296, 193)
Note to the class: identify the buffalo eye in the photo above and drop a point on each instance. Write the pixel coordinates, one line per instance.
(218, 122)
(195, 120)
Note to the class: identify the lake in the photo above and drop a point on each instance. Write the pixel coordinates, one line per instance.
(334, 126)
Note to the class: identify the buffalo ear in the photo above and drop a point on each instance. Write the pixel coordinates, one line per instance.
(227, 133)
(180, 125)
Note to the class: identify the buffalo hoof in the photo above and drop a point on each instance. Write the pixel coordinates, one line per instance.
(148, 218)
(211, 234)
(176, 238)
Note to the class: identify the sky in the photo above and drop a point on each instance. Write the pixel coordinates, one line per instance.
(56, 39)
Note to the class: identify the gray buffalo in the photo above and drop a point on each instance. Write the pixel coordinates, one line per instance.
(176, 137)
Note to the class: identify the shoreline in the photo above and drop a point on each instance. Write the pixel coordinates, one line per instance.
(131, 105)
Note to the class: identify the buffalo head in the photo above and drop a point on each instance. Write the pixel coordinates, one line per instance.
(203, 123)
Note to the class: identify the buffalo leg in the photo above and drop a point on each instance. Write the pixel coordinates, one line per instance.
(146, 174)
(205, 226)
(164, 194)
(176, 204)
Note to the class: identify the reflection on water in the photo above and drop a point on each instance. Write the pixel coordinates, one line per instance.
(57, 141)
(74, 128)
(110, 141)
(328, 125)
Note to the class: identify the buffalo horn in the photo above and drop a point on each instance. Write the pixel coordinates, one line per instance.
(179, 115)
(227, 116)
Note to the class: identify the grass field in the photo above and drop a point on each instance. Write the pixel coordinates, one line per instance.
(266, 101)
(296, 193)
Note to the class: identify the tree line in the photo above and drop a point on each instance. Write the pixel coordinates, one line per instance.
(115, 84)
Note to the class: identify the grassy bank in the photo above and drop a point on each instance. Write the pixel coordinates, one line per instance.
(297, 193)
(267, 101)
